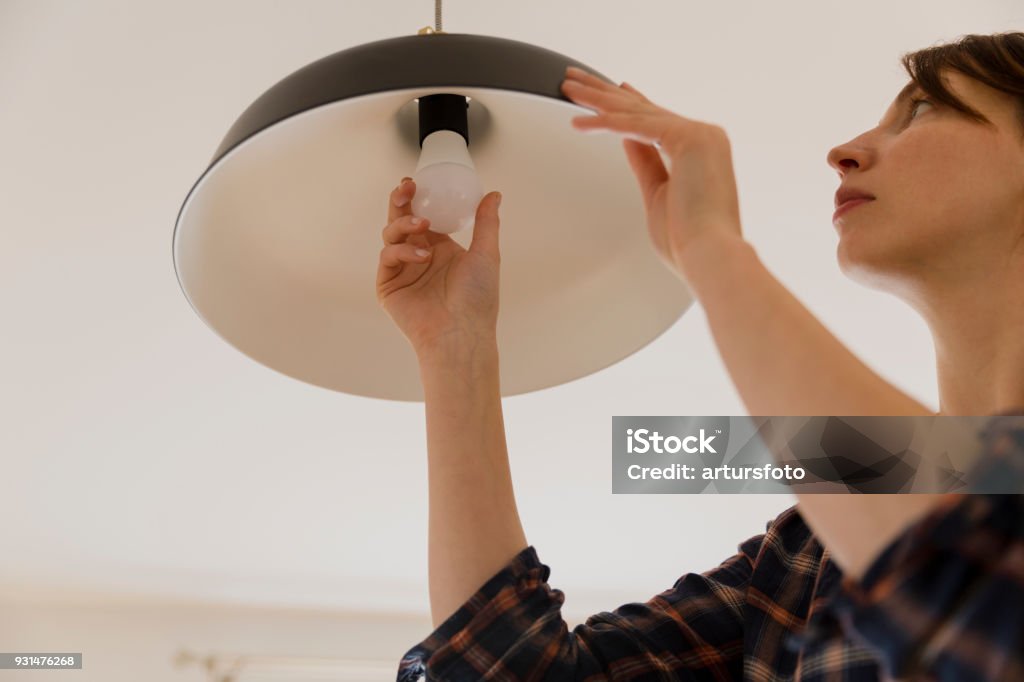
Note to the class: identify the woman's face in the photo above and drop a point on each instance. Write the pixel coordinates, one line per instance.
(949, 191)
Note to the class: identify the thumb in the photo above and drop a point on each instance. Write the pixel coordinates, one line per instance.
(485, 230)
(647, 166)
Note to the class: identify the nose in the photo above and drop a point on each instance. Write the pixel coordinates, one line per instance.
(846, 156)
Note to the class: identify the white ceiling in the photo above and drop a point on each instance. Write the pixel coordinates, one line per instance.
(143, 455)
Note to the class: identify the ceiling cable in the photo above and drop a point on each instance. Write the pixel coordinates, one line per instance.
(436, 28)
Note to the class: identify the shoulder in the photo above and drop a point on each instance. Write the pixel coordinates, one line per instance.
(787, 539)
(790, 566)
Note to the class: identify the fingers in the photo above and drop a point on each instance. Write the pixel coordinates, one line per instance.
(403, 226)
(642, 127)
(400, 201)
(579, 82)
(647, 166)
(636, 92)
(597, 98)
(404, 236)
(618, 108)
(626, 110)
(394, 258)
(395, 255)
(485, 230)
(574, 73)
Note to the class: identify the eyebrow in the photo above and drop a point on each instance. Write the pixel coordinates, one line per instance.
(908, 90)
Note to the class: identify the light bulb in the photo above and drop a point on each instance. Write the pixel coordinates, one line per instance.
(448, 190)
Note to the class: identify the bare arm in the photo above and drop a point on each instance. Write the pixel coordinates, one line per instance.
(474, 525)
(444, 298)
(783, 361)
(780, 358)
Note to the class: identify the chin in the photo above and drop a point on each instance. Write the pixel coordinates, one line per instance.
(862, 261)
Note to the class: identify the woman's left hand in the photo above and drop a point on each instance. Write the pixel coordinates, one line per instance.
(694, 200)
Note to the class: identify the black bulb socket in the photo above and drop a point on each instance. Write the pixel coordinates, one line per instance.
(444, 112)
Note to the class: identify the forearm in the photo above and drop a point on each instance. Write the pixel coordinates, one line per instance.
(784, 362)
(780, 358)
(474, 526)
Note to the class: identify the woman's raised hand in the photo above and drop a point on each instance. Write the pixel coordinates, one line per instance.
(697, 196)
(436, 291)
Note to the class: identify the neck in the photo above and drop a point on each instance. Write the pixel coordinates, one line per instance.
(978, 331)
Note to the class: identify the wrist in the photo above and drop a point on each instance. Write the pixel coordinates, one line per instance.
(708, 257)
(457, 346)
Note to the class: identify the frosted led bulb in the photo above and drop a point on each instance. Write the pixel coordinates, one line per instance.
(448, 190)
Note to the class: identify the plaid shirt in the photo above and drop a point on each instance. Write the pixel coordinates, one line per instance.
(943, 601)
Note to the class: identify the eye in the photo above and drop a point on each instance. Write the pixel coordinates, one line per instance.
(915, 102)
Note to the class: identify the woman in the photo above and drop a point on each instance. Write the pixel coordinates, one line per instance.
(931, 208)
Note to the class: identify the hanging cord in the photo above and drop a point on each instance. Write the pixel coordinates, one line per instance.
(427, 30)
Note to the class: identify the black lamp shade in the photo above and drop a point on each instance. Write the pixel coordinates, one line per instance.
(276, 246)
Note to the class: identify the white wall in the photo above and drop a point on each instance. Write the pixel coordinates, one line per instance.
(134, 641)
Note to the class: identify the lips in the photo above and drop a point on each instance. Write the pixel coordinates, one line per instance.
(846, 194)
(848, 206)
(848, 198)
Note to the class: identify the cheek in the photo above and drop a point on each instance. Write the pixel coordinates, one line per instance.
(943, 183)
(934, 194)
(939, 187)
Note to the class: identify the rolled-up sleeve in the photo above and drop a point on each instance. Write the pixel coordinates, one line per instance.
(512, 629)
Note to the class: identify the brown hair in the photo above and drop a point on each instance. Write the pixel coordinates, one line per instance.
(995, 60)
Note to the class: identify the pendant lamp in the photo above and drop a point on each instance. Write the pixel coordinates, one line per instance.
(276, 245)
